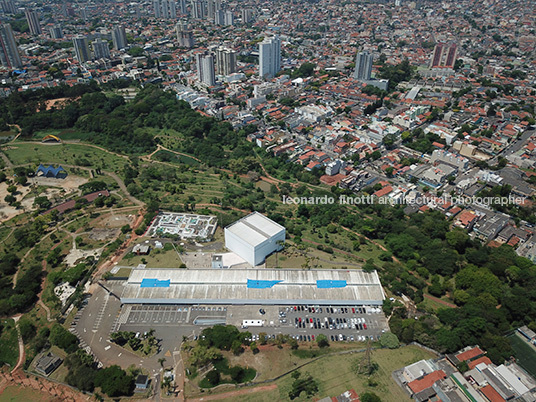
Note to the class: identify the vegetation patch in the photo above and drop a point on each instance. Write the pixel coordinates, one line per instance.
(9, 352)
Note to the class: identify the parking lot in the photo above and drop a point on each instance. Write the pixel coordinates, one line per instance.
(168, 315)
(304, 323)
(339, 323)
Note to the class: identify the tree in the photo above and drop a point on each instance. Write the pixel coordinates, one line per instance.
(237, 374)
(389, 340)
(161, 361)
(62, 338)
(306, 384)
(10, 199)
(254, 348)
(42, 202)
(389, 140)
(27, 330)
(370, 397)
(81, 373)
(221, 336)
(114, 381)
(213, 377)
(322, 341)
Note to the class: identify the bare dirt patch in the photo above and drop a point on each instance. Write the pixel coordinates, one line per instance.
(114, 221)
(99, 234)
(59, 103)
(75, 255)
(6, 211)
(70, 183)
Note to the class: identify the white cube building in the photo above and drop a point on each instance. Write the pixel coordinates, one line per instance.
(254, 237)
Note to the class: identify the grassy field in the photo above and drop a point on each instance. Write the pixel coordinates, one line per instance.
(156, 259)
(525, 354)
(15, 393)
(122, 273)
(166, 156)
(335, 376)
(71, 154)
(9, 349)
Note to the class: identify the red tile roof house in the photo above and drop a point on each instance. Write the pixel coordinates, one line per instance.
(466, 219)
(383, 192)
(469, 354)
(427, 381)
(493, 396)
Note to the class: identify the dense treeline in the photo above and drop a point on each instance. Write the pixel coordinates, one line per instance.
(122, 127)
(495, 289)
(21, 107)
(18, 298)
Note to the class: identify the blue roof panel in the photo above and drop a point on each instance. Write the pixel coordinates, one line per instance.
(155, 283)
(261, 284)
(330, 284)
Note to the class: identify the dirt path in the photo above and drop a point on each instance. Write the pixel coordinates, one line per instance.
(233, 394)
(40, 302)
(122, 186)
(22, 355)
(121, 251)
(443, 302)
(162, 148)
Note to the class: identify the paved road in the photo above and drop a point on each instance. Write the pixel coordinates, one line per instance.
(94, 327)
(513, 148)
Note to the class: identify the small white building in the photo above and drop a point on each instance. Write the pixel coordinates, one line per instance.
(254, 237)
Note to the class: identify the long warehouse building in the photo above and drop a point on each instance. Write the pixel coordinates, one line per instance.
(253, 286)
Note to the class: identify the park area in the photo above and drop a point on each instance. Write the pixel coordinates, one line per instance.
(334, 372)
(20, 153)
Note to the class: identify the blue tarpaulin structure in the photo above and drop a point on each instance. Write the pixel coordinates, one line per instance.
(261, 284)
(155, 283)
(51, 171)
(330, 284)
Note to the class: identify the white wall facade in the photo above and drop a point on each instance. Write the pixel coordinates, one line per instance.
(268, 247)
(239, 246)
(253, 255)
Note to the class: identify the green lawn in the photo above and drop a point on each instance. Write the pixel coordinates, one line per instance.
(71, 154)
(155, 259)
(525, 354)
(433, 305)
(9, 344)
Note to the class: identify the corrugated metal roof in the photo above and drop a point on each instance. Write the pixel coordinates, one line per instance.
(229, 286)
